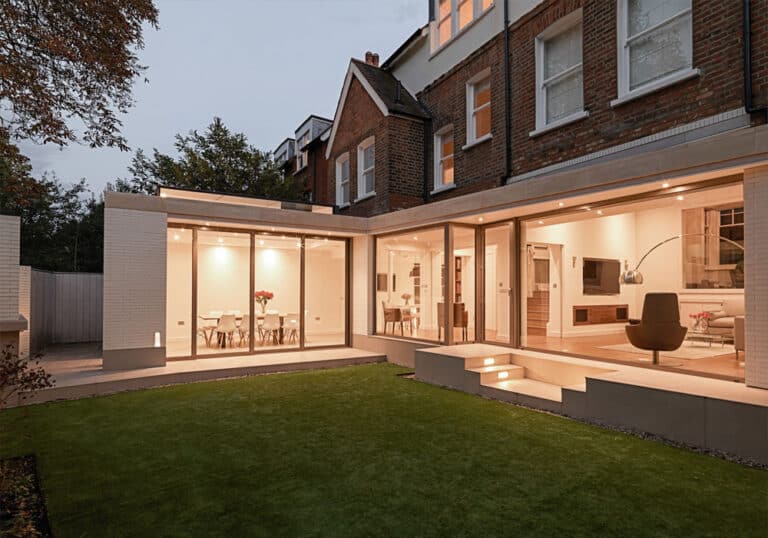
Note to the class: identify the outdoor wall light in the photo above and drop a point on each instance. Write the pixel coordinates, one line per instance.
(489, 361)
(503, 375)
(157, 338)
(634, 276)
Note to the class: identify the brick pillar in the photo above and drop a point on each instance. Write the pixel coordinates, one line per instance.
(756, 276)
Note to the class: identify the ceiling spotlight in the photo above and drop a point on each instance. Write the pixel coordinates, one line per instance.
(541, 222)
(588, 208)
(415, 237)
(680, 198)
(665, 185)
(561, 204)
(480, 219)
(599, 211)
(207, 223)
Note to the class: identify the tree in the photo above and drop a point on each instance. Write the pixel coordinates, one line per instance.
(216, 160)
(70, 60)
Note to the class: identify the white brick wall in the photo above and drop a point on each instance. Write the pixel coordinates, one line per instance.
(9, 267)
(756, 277)
(25, 296)
(134, 278)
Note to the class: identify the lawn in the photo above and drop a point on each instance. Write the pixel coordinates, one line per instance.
(360, 451)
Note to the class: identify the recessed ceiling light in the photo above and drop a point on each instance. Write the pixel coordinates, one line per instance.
(680, 198)
(480, 219)
(665, 185)
(588, 208)
(561, 204)
(541, 222)
(599, 211)
(415, 237)
(207, 223)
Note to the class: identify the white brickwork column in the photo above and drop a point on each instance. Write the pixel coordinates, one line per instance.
(10, 244)
(134, 288)
(756, 276)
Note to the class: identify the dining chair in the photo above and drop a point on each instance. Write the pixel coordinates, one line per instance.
(206, 328)
(291, 327)
(226, 329)
(393, 316)
(270, 328)
(244, 329)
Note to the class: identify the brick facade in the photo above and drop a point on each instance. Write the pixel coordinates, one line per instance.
(482, 166)
(399, 155)
(717, 53)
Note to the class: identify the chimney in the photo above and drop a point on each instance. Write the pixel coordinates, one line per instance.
(371, 58)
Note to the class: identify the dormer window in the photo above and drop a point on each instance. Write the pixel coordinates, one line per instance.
(302, 154)
(453, 16)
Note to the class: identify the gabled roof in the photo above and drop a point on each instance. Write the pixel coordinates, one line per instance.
(387, 92)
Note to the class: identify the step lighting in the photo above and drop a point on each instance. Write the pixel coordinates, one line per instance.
(489, 361)
(503, 375)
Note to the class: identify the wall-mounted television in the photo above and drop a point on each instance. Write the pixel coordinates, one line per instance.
(601, 277)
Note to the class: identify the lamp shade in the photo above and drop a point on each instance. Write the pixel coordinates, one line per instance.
(631, 277)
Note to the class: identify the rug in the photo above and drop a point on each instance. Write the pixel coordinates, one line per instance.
(689, 350)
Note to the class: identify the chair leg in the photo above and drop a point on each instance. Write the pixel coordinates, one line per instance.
(655, 356)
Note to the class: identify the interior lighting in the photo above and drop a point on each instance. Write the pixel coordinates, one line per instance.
(480, 219)
(561, 204)
(176, 237)
(541, 222)
(680, 198)
(599, 211)
(665, 185)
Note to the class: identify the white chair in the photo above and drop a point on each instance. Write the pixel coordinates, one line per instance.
(270, 328)
(291, 327)
(244, 329)
(226, 329)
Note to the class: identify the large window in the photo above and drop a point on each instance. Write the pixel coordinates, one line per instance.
(462, 289)
(479, 108)
(366, 165)
(410, 284)
(560, 95)
(303, 155)
(223, 292)
(249, 292)
(178, 289)
(342, 180)
(453, 16)
(326, 292)
(498, 283)
(444, 149)
(655, 44)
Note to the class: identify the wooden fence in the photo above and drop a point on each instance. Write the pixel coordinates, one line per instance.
(65, 308)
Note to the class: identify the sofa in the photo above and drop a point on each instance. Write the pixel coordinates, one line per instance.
(723, 321)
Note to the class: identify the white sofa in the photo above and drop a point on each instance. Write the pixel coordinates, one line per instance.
(724, 321)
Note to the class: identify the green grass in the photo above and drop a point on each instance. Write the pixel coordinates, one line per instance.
(359, 451)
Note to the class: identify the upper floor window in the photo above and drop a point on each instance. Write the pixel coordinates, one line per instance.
(444, 158)
(342, 180)
(655, 44)
(366, 163)
(302, 155)
(559, 72)
(479, 107)
(452, 16)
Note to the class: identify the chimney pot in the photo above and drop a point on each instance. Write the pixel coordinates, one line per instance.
(372, 59)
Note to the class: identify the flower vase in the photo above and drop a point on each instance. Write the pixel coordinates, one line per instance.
(263, 308)
(701, 325)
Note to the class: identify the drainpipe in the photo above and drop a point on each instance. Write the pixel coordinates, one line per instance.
(507, 99)
(749, 100)
(427, 139)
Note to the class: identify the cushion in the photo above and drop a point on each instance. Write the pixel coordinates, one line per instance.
(734, 306)
(724, 323)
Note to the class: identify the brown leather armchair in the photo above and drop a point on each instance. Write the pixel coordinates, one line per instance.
(660, 328)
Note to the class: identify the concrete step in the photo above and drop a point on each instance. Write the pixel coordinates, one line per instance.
(489, 360)
(499, 372)
(530, 387)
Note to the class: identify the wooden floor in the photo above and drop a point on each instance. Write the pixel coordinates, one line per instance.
(722, 366)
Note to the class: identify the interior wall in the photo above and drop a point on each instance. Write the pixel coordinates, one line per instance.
(325, 287)
(223, 273)
(179, 290)
(278, 270)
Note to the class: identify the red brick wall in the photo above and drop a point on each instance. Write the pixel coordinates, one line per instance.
(482, 166)
(717, 28)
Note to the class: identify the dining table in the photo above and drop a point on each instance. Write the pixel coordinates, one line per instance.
(214, 317)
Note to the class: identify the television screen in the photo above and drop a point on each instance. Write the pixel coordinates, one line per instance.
(601, 277)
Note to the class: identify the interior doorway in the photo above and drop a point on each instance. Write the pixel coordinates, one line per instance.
(544, 285)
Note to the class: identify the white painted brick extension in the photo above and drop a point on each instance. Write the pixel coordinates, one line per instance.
(134, 278)
(25, 306)
(9, 267)
(756, 276)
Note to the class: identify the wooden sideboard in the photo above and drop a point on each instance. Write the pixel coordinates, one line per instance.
(600, 314)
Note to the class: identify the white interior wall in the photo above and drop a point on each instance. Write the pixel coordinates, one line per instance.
(179, 291)
(325, 288)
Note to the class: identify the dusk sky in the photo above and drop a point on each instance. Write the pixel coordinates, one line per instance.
(262, 66)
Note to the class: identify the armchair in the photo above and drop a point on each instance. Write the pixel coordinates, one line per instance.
(660, 328)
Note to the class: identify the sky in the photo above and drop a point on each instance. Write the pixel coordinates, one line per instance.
(263, 66)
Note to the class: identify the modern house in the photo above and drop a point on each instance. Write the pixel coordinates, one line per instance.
(507, 191)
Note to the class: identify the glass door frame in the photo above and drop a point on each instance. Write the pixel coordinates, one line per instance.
(252, 233)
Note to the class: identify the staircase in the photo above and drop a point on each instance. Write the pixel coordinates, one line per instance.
(515, 377)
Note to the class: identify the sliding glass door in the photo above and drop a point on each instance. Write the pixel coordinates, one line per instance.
(236, 292)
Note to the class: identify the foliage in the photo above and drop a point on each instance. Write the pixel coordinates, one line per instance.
(362, 452)
(20, 376)
(22, 510)
(216, 160)
(73, 60)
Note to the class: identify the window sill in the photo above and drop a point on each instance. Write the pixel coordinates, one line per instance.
(477, 142)
(364, 197)
(443, 188)
(573, 118)
(460, 33)
(655, 86)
